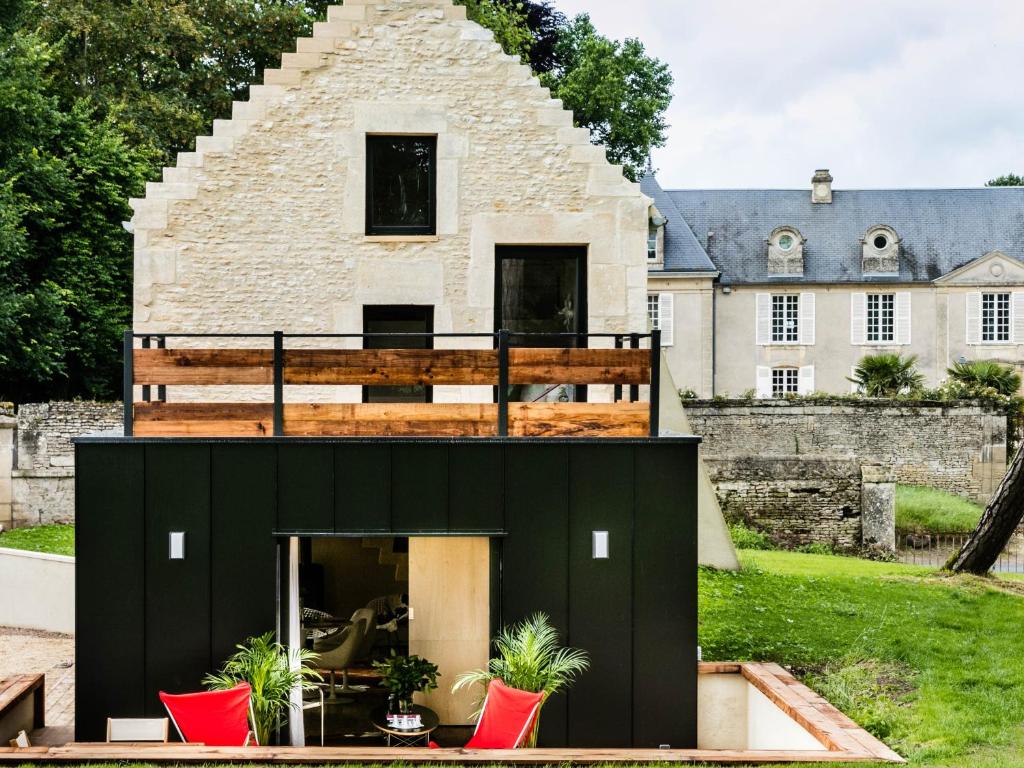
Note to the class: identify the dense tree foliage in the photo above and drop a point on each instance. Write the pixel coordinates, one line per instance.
(97, 95)
(1006, 180)
(614, 89)
(65, 261)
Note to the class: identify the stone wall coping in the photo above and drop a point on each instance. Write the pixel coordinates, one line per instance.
(30, 555)
(844, 405)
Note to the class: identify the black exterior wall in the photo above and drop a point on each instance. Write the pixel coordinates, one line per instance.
(147, 623)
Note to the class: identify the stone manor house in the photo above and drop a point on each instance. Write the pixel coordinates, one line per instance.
(784, 291)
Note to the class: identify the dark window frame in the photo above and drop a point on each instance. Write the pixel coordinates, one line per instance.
(373, 312)
(383, 230)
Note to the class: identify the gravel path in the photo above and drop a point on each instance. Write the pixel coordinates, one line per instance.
(24, 651)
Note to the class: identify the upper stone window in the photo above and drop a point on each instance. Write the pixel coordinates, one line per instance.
(881, 251)
(656, 237)
(401, 185)
(786, 251)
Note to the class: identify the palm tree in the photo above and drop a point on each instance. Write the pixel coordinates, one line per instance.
(887, 375)
(529, 658)
(979, 375)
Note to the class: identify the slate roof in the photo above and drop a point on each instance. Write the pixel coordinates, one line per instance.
(940, 229)
(682, 251)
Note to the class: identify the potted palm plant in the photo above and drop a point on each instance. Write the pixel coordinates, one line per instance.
(272, 670)
(530, 658)
(405, 675)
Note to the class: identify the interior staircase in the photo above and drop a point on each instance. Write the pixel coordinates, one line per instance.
(386, 555)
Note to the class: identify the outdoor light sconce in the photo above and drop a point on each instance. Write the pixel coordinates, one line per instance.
(176, 548)
(600, 545)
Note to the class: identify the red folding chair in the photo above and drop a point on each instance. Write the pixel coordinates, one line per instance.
(213, 718)
(507, 718)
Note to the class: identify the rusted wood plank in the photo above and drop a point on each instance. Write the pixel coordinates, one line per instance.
(158, 419)
(395, 419)
(579, 366)
(396, 367)
(578, 419)
(203, 366)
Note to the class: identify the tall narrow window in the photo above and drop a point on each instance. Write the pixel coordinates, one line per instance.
(881, 317)
(652, 242)
(785, 381)
(786, 318)
(995, 317)
(653, 310)
(405, 326)
(401, 181)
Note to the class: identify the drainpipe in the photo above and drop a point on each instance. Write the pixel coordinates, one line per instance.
(714, 332)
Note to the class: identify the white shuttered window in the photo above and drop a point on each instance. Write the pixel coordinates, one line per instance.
(661, 315)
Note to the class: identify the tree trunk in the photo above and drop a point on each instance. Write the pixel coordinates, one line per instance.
(1002, 516)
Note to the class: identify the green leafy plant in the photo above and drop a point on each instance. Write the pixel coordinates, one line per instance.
(406, 675)
(887, 375)
(744, 537)
(979, 376)
(530, 658)
(272, 670)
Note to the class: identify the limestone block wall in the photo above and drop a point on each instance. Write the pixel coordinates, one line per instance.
(262, 227)
(960, 448)
(798, 500)
(42, 471)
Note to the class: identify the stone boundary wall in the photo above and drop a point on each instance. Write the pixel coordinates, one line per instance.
(39, 466)
(957, 447)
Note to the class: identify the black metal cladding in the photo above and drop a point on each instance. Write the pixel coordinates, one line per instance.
(146, 623)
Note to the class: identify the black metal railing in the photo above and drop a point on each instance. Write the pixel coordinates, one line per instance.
(502, 343)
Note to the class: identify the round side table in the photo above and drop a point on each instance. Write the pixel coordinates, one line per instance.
(402, 737)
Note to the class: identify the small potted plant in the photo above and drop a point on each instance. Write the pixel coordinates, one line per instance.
(405, 675)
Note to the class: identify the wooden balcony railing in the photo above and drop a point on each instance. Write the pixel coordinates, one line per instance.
(161, 367)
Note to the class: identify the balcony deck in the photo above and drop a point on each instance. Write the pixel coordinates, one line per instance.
(624, 368)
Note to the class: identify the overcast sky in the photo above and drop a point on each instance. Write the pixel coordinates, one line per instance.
(885, 93)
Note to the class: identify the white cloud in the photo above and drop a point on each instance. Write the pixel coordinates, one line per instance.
(885, 93)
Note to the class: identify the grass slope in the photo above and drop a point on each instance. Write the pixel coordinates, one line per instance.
(932, 664)
(55, 539)
(928, 510)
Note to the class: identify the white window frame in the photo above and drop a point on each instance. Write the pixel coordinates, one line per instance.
(661, 316)
(877, 313)
(795, 380)
(774, 310)
(996, 297)
(860, 319)
(785, 381)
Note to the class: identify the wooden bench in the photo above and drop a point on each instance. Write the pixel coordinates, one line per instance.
(22, 705)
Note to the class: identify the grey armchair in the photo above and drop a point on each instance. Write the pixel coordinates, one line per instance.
(342, 656)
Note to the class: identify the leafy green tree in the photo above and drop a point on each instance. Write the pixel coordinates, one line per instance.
(614, 89)
(978, 377)
(65, 261)
(164, 70)
(1006, 180)
(887, 375)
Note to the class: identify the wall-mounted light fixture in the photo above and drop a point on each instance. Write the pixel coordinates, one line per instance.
(176, 546)
(600, 545)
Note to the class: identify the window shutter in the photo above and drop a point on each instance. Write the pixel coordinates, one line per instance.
(902, 318)
(764, 321)
(1017, 317)
(807, 318)
(764, 381)
(805, 380)
(974, 318)
(858, 317)
(666, 324)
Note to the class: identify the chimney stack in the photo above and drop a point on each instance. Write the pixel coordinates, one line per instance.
(821, 186)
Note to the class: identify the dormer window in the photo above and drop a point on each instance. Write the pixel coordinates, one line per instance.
(786, 251)
(656, 237)
(881, 254)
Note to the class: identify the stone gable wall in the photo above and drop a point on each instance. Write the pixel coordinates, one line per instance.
(262, 228)
(959, 448)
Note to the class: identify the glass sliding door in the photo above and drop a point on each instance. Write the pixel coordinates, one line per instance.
(397, 320)
(542, 289)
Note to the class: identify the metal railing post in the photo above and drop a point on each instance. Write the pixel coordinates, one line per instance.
(655, 390)
(161, 389)
(278, 383)
(503, 382)
(145, 387)
(128, 381)
(634, 389)
(618, 387)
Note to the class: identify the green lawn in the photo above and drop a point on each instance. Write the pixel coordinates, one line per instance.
(933, 664)
(928, 510)
(55, 539)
